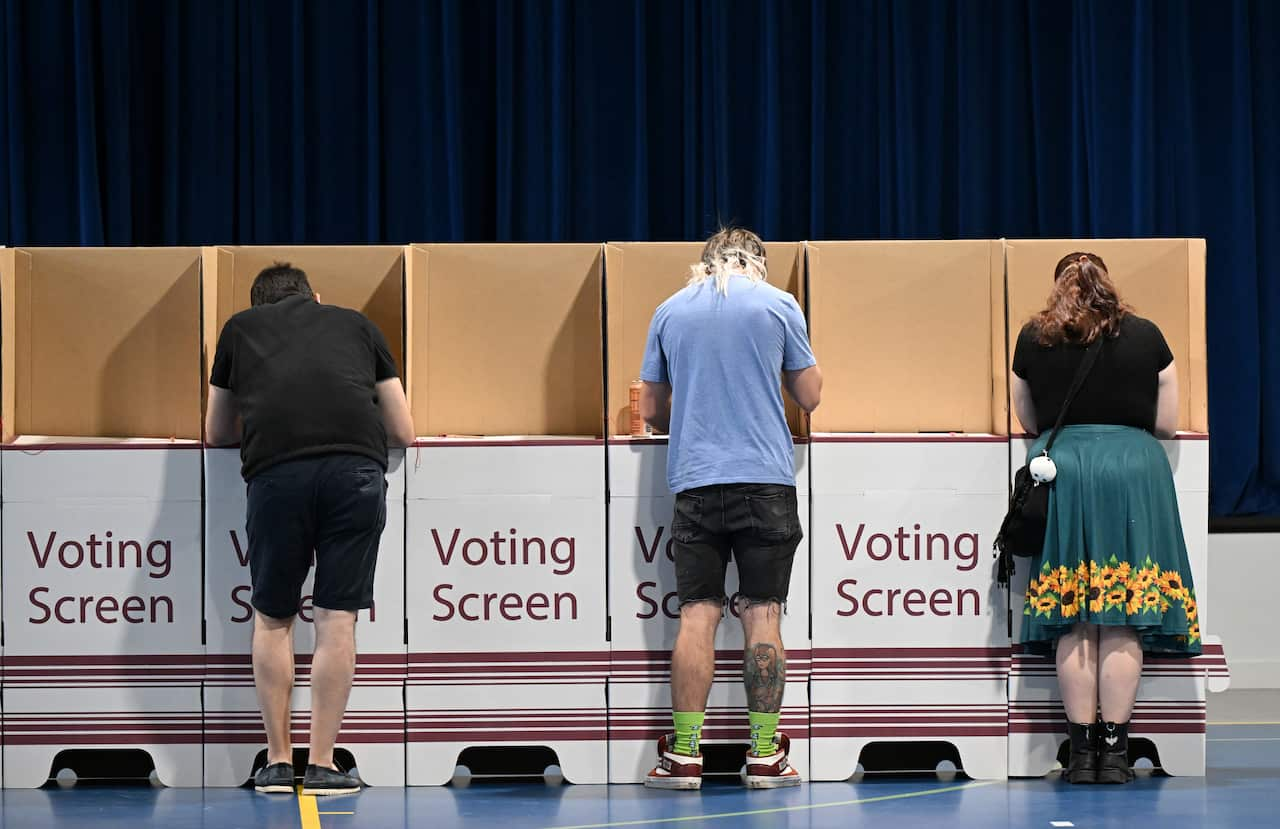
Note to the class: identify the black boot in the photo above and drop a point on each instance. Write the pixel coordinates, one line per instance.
(1082, 766)
(1113, 752)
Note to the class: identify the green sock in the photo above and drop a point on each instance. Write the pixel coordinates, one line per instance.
(688, 731)
(763, 727)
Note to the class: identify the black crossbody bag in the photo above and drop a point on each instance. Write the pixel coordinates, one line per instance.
(1022, 531)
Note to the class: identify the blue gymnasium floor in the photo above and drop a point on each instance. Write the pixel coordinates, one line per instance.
(1241, 790)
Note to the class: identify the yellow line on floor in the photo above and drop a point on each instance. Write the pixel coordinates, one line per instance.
(307, 810)
(781, 809)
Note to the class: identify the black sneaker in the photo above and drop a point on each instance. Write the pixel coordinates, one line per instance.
(321, 780)
(276, 778)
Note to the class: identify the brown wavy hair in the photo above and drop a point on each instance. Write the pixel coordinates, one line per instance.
(1083, 305)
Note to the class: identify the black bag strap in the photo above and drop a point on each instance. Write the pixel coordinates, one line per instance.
(1086, 365)
(1005, 567)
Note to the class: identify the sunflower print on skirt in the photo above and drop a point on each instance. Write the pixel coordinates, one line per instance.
(1113, 593)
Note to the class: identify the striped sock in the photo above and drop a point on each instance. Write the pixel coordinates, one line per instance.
(763, 727)
(688, 731)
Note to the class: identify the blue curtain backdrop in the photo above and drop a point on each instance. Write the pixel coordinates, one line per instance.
(161, 122)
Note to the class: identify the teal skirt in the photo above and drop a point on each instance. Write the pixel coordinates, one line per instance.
(1113, 552)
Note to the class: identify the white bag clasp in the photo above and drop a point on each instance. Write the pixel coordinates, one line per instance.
(1043, 469)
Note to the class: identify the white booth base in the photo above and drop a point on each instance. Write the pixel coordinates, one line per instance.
(505, 558)
(910, 641)
(1170, 711)
(568, 718)
(372, 731)
(1039, 730)
(849, 715)
(41, 722)
(640, 713)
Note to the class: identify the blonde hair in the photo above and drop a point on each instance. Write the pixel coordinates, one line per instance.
(733, 250)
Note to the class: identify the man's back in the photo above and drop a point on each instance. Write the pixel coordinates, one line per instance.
(723, 356)
(304, 377)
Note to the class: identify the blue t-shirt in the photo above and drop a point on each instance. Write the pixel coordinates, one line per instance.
(724, 357)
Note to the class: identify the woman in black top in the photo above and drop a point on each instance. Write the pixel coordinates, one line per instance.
(1113, 578)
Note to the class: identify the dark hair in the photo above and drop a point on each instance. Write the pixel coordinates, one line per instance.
(1083, 304)
(280, 281)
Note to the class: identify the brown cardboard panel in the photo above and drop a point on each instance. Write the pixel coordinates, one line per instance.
(505, 339)
(216, 309)
(368, 278)
(1155, 276)
(903, 332)
(1198, 366)
(8, 328)
(999, 339)
(640, 276)
(102, 342)
(415, 274)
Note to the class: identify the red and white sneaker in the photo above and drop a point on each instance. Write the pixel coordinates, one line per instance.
(674, 771)
(773, 771)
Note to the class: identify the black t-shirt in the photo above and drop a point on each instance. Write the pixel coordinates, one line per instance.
(1121, 389)
(304, 377)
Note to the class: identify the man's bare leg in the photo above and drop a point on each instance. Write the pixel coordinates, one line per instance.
(764, 670)
(693, 666)
(273, 680)
(332, 669)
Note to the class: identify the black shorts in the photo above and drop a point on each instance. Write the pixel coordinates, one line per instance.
(758, 525)
(334, 506)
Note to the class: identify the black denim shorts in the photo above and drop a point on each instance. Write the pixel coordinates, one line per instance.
(332, 506)
(756, 525)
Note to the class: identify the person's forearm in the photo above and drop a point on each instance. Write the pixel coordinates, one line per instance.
(397, 420)
(660, 419)
(222, 425)
(1166, 425)
(655, 405)
(224, 434)
(1027, 419)
(805, 387)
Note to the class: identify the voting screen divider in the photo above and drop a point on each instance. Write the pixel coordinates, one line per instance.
(524, 593)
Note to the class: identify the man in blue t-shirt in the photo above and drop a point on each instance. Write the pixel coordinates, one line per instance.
(713, 361)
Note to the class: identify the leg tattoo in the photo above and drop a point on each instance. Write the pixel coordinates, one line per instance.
(764, 674)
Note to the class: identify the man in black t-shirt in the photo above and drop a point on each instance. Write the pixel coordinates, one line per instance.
(312, 394)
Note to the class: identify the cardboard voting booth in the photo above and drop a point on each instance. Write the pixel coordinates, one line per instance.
(909, 485)
(525, 590)
(101, 501)
(370, 280)
(505, 531)
(1163, 280)
(643, 607)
